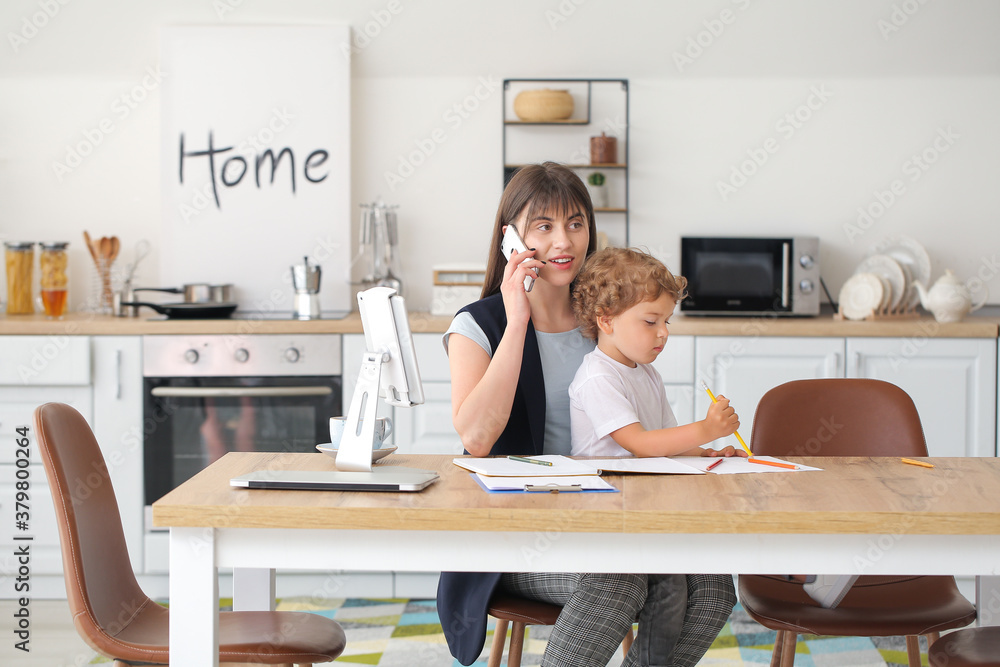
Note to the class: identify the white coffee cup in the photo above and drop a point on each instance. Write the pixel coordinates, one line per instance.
(383, 429)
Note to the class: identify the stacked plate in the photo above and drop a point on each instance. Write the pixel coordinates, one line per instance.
(883, 283)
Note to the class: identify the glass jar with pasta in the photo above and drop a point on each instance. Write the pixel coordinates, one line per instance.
(20, 257)
(52, 265)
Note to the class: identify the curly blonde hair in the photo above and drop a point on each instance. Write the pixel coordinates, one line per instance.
(615, 279)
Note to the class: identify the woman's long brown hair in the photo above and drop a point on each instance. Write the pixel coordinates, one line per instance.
(538, 188)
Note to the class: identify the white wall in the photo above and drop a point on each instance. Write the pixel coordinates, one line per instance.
(893, 75)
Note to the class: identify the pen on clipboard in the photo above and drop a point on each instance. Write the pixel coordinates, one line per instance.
(736, 433)
(525, 459)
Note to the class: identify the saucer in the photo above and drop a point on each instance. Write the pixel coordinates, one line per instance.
(331, 450)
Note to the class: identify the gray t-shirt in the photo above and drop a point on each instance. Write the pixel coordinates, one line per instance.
(561, 355)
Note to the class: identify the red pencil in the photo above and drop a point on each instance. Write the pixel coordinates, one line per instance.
(714, 464)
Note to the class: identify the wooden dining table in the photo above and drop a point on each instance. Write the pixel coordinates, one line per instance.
(865, 515)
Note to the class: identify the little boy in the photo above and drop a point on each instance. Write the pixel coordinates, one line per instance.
(624, 300)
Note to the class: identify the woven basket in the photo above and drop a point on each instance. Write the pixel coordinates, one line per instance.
(543, 105)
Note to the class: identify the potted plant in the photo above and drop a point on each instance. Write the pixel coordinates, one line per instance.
(598, 191)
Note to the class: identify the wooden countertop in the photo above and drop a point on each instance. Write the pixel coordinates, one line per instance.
(88, 324)
(960, 496)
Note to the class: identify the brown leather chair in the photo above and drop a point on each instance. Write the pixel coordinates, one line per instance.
(110, 611)
(520, 612)
(972, 647)
(847, 417)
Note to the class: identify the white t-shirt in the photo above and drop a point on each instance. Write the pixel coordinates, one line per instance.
(606, 395)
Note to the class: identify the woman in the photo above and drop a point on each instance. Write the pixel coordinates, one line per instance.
(512, 356)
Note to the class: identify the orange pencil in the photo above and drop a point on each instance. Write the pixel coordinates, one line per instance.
(775, 464)
(922, 464)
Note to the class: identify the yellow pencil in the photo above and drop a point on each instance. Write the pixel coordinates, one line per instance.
(922, 464)
(737, 433)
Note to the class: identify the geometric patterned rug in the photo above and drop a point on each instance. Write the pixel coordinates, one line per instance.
(407, 633)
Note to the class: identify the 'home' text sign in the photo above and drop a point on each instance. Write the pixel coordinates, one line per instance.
(255, 156)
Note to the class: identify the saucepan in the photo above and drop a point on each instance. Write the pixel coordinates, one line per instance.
(188, 311)
(197, 292)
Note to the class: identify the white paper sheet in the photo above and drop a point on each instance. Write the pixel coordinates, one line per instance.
(734, 465)
(661, 465)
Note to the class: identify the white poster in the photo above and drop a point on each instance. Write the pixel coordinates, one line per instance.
(255, 158)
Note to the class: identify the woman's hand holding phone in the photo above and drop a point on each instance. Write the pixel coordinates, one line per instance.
(513, 244)
(517, 274)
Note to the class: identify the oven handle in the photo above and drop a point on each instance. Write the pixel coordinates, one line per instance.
(226, 392)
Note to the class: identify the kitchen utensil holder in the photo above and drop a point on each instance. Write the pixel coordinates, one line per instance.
(102, 294)
(378, 246)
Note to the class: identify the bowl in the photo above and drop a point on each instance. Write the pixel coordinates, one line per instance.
(543, 105)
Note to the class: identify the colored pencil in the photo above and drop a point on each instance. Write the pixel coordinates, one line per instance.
(922, 464)
(790, 466)
(736, 433)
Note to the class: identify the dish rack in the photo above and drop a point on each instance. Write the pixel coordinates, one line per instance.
(907, 314)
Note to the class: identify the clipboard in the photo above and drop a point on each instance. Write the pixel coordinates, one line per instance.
(538, 485)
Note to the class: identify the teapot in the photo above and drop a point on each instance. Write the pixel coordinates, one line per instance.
(949, 300)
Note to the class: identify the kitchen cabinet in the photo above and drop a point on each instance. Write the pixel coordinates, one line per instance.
(743, 368)
(952, 381)
(36, 370)
(118, 426)
(599, 106)
(427, 428)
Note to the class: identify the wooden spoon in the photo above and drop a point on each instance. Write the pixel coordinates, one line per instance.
(90, 246)
(105, 250)
(115, 247)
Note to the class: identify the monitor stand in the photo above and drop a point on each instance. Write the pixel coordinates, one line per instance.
(355, 451)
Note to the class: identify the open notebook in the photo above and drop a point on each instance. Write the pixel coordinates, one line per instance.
(659, 465)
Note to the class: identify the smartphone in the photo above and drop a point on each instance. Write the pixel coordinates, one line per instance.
(511, 243)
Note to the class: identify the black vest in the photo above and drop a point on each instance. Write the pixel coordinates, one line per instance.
(525, 430)
(463, 597)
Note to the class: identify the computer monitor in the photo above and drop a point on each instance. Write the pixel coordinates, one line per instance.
(388, 370)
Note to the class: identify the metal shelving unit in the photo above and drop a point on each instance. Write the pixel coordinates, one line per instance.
(600, 105)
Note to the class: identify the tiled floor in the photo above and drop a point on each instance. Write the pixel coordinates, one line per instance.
(407, 633)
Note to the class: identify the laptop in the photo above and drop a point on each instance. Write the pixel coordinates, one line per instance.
(383, 479)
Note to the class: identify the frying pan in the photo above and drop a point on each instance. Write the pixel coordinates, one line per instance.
(197, 292)
(189, 311)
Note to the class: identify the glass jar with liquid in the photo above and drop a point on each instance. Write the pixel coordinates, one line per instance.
(54, 284)
(20, 259)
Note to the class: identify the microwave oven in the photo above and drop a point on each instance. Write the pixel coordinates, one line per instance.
(751, 275)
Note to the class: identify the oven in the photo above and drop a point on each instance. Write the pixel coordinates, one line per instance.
(206, 395)
(751, 276)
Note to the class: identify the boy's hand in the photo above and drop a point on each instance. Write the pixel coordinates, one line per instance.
(725, 451)
(721, 419)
